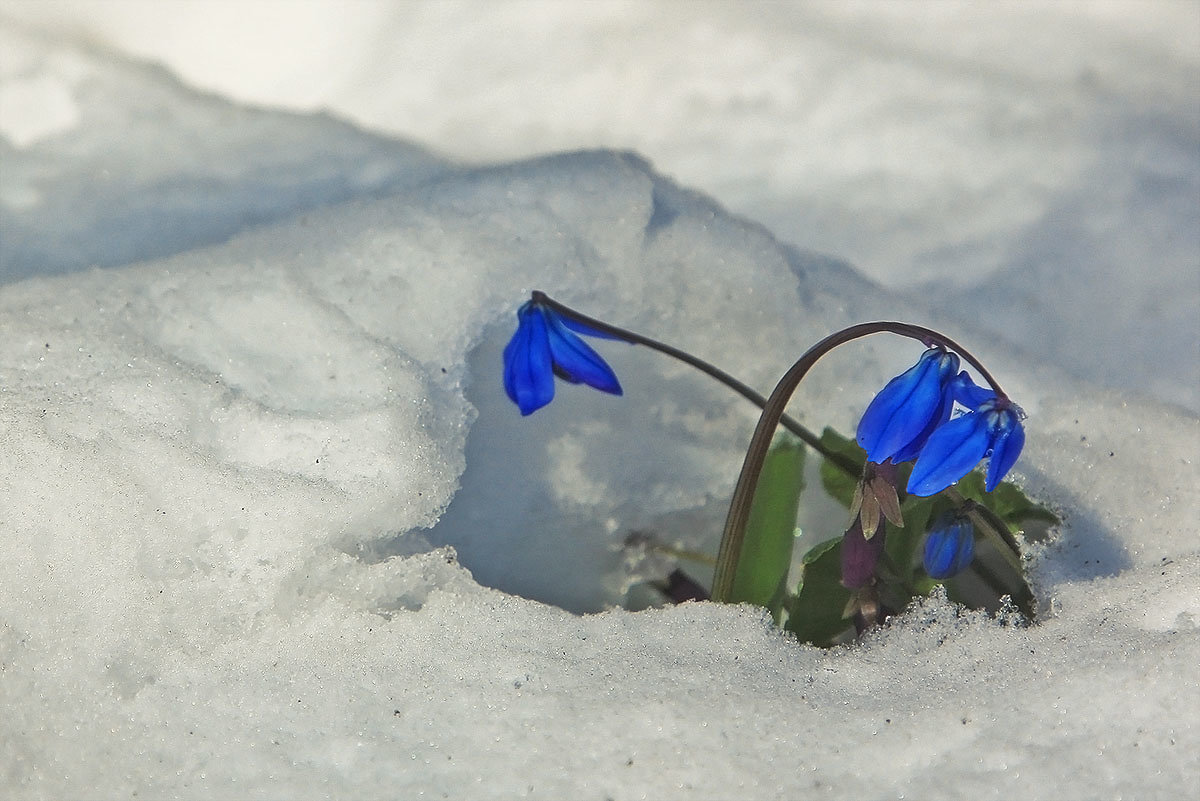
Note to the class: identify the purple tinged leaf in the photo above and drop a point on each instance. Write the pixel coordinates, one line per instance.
(860, 555)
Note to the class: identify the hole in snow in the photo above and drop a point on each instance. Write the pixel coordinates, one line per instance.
(594, 501)
(548, 501)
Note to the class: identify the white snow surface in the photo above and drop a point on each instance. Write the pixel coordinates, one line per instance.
(1001, 157)
(272, 530)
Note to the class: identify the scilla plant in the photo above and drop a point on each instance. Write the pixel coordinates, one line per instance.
(918, 512)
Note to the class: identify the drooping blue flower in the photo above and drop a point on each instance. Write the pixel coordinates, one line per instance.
(993, 430)
(959, 391)
(906, 411)
(545, 345)
(949, 546)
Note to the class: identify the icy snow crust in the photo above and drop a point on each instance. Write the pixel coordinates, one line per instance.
(238, 482)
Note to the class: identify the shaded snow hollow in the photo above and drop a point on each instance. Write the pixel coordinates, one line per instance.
(236, 479)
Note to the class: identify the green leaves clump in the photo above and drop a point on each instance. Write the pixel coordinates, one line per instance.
(820, 610)
(817, 612)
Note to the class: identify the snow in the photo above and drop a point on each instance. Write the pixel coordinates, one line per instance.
(273, 530)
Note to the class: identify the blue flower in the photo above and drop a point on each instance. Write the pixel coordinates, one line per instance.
(993, 430)
(949, 547)
(906, 411)
(545, 346)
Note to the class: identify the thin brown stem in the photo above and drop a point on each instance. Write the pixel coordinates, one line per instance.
(632, 337)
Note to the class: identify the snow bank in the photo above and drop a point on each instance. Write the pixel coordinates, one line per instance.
(238, 481)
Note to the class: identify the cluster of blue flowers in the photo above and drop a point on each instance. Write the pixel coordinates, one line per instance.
(913, 418)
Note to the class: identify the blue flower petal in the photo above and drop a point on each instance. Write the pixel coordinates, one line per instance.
(575, 360)
(968, 393)
(528, 370)
(1009, 441)
(587, 330)
(949, 547)
(949, 454)
(913, 449)
(960, 389)
(908, 408)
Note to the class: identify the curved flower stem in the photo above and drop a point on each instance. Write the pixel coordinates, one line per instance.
(730, 548)
(632, 337)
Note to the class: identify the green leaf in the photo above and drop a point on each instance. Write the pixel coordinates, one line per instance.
(1008, 501)
(815, 612)
(836, 481)
(1016, 509)
(762, 567)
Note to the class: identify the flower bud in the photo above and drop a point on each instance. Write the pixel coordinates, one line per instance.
(860, 555)
(949, 546)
